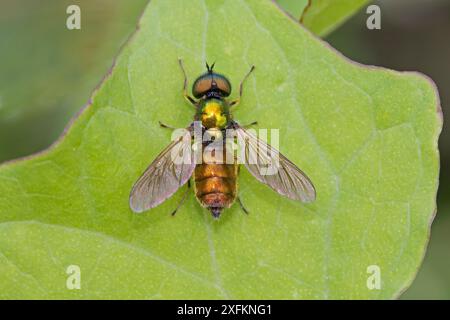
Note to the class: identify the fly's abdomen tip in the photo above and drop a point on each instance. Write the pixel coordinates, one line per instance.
(215, 211)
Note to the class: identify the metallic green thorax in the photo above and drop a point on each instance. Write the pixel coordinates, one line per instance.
(214, 113)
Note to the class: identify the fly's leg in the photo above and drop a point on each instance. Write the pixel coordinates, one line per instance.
(241, 85)
(165, 126)
(251, 124)
(185, 93)
(183, 199)
(242, 205)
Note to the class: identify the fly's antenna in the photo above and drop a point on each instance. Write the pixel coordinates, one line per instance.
(210, 71)
(210, 68)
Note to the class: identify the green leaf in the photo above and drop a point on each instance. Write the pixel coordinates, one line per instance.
(33, 110)
(293, 7)
(366, 136)
(322, 16)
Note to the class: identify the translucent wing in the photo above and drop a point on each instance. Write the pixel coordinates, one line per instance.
(270, 167)
(166, 174)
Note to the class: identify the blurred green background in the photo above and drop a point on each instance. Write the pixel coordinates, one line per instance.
(47, 74)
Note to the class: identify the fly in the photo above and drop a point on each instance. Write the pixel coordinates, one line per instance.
(215, 181)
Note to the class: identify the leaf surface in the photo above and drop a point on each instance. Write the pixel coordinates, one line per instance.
(322, 16)
(367, 138)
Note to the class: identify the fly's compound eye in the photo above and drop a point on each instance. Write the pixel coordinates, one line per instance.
(223, 85)
(211, 82)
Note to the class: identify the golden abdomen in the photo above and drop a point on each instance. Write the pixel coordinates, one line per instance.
(216, 185)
